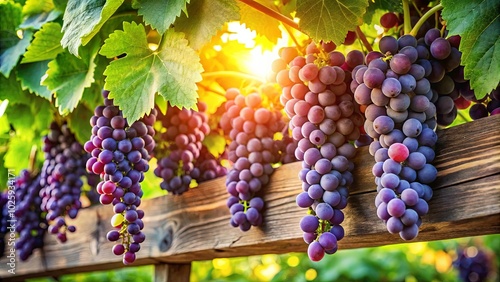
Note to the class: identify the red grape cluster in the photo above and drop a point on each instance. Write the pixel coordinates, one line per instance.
(324, 118)
(120, 153)
(252, 150)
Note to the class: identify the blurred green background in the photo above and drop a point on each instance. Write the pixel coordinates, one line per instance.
(410, 262)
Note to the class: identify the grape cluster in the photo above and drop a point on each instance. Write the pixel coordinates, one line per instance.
(324, 118)
(120, 154)
(395, 94)
(207, 166)
(473, 264)
(4, 217)
(61, 182)
(489, 105)
(180, 149)
(252, 150)
(31, 222)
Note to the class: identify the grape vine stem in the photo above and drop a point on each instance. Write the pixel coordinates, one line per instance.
(232, 74)
(407, 17)
(272, 13)
(422, 20)
(362, 37)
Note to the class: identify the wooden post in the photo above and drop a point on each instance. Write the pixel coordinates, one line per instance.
(172, 272)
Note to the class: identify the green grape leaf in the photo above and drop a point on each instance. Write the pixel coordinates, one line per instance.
(30, 75)
(386, 5)
(46, 44)
(329, 20)
(10, 16)
(18, 155)
(478, 24)
(172, 70)
(36, 21)
(32, 7)
(160, 14)
(10, 19)
(11, 90)
(83, 19)
(42, 110)
(68, 76)
(260, 22)
(60, 4)
(206, 17)
(215, 143)
(79, 123)
(22, 123)
(10, 57)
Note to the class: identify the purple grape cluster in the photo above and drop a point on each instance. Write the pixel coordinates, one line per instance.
(287, 146)
(31, 220)
(489, 105)
(252, 150)
(473, 264)
(396, 93)
(119, 154)
(4, 217)
(207, 166)
(180, 148)
(324, 118)
(61, 181)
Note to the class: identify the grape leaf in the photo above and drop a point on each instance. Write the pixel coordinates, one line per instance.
(38, 20)
(60, 4)
(10, 19)
(18, 155)
(260, 22)
(83, 20)
(478, 24)
(206, 17)
(31, 75)
(172, 70)
(32, 7)
(46, 44)
(386, 5)
(215, 143)
(79, 123)
(10, 57)
(11, 90)
(68, 76)
(329, 20)
(160, 14)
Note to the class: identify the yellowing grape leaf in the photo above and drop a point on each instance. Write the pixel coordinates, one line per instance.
(262, 24)
(160, 14)
(37, 6)
(172, 70)
(478, 24)
(206, 17)
(83, 19)
(329, 20)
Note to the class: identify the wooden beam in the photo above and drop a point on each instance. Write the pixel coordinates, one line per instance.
(195, 226)
(170, 272)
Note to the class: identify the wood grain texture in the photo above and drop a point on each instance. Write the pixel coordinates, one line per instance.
(172, 272)
(195, 226)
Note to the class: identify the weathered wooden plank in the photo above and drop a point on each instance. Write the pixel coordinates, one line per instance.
(195, 226)
(170, 272)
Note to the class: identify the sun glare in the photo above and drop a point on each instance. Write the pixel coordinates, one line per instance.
(259, 61)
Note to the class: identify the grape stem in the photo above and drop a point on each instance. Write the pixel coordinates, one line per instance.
(272, 13)
(362, 37)
(32, 161)
(232, 74)
(422, 20)
(407, 17)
